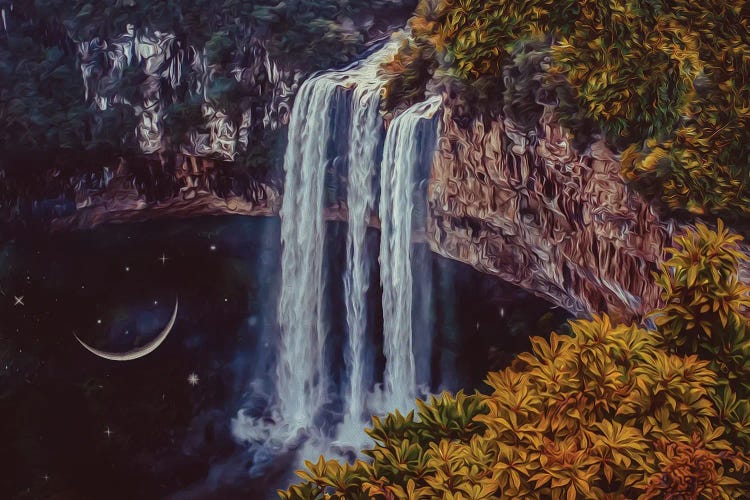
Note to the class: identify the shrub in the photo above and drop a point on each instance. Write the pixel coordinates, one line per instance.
(407, 75)
(416, 61)
(702, 164)
(705, 302)
(705, 313)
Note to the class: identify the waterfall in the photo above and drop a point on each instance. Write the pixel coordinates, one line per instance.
(365, 142)
(401, 157)
(301, 382)
(336, 123)
(302, 378)
(366, 135)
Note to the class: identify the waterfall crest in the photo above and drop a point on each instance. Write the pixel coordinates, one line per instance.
(401, 157)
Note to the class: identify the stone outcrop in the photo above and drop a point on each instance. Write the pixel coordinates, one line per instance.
(531, 210)
(183, 186)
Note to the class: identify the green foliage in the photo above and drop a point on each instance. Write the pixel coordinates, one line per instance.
(39, 86)
(632, 68)
(664, 81)
(219, 49)
(180, 117)
(702, 291)
(705, 313)
(407, 75)
(607, 412)
(480, 36)
(604, 413)
(314, 33)
(415, 63)
(525, 84)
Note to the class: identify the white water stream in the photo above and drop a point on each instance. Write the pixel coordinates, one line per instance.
(317, 130)
(397, 181)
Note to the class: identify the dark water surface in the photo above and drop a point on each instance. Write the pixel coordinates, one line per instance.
(73, 425)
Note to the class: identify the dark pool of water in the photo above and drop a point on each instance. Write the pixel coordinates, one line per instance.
(76, 426)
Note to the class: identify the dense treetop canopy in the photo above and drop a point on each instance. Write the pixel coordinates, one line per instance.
(666, 82)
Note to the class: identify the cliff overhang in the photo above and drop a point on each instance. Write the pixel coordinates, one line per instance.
(531, 210)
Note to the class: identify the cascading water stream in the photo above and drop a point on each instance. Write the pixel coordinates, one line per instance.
(302, 378)
(401, 156)
(365, 143)
(365, 138)
(336, 121)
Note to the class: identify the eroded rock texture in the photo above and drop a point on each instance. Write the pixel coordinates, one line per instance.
(529, 209)
(166, 68)
(185, 187)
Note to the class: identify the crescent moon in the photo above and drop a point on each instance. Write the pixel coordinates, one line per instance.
(138, 352)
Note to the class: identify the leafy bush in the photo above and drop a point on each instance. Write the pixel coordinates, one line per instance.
(705, 313)
(665, 81)
(416, 61)
(407, 75)
(705, 300)
(610, 411)
(605, 413)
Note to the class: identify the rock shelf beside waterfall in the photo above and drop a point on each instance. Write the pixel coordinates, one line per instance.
(536, 213)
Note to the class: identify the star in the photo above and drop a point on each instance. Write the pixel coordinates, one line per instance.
(163, 259)
(127, 269)
(108, 432)
(193, 379)
(213, 248)
(45, 477)
(19, 301)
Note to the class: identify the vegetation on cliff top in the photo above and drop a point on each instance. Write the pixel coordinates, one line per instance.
(45, 117)
(608, 412)
(666, 83)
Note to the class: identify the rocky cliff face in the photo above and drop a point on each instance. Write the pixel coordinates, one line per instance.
(529, 209)
(189, 186)
(168, 70)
